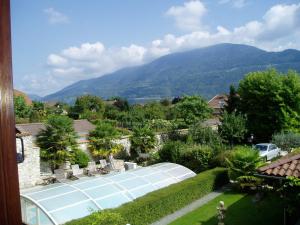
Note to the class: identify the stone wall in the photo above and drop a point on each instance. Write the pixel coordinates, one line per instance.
(29, 169)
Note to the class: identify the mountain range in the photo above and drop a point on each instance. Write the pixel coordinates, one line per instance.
(205, 71)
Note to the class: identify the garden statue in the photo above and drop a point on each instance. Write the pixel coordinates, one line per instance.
(221, 213)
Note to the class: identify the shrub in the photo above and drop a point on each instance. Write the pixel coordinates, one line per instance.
(197, 157)
(143, 140)
(157, 204)
(286, 141)
(205, 136)
(171, 151)
(100, 218)
(81, 158)
(243, 161)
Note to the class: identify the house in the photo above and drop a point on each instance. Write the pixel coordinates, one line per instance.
(217, 103)
(30, 166)
(282, 168)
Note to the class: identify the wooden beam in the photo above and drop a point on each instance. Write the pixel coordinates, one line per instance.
(10, 212)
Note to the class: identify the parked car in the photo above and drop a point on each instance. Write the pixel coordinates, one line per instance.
(268, 151)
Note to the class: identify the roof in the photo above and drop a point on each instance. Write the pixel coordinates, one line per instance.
(287, 166)
(218, 101)
(62, 202)
(80, 126)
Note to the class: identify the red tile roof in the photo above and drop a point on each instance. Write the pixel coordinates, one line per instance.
(284, 167)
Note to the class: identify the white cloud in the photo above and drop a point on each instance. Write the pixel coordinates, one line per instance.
(276, 30)
(56, 17)
(235, 3)
(188, 17)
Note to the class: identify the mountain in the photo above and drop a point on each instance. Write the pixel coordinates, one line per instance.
(34, 97)
(205, 71)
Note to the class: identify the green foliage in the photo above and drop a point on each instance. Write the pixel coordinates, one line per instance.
(192, 109)
(22, 110)
(286, 140)
(101, 140)
(197, 157)
(171, 151)
(232, 128)
(100, 218)
(271, 102)
(243, 161)
(57, 141)
(205, 135)
(142, 140)
(194, 157)
(157, 204)
(160, 125)
(87, 107)
(153, 110)
(233, 100)
(81, 158)
(290, 191)
(121, 103)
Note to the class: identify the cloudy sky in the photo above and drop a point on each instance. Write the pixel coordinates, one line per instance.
(58, 42)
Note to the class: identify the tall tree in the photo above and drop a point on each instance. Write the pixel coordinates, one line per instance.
(232, 101)
(192, 109)
(22, 110)
(271, 102)
(57, 141)
(87, 107)
(232, 128)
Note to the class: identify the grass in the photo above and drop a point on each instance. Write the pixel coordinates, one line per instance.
(241, 210)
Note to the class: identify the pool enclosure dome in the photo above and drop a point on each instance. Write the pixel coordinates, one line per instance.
(61, 202)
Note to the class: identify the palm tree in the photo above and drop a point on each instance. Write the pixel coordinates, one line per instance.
(57, 141)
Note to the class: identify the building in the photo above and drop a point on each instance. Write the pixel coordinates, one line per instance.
(28, 154)
(218, 103)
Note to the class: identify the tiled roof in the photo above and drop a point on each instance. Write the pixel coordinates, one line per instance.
(289, 166)
(80, 126)
(218, 101)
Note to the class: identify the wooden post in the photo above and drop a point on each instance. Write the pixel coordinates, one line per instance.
(10, 212)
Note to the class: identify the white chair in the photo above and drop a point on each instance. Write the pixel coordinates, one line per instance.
(77, 172)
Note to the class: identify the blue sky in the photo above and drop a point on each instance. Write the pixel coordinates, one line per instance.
(58, 42)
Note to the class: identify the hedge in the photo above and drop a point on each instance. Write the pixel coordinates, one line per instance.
(157, 204)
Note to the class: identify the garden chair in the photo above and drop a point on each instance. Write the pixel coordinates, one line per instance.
(77, 172)
(117, 165)
(60, 175)
(92, 169)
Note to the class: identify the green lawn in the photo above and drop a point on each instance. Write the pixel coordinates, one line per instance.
(241, 210)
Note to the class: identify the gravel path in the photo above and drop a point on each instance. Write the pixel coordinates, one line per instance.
(194, 205)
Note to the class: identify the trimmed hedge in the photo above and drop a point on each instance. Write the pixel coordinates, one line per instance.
(157, 204)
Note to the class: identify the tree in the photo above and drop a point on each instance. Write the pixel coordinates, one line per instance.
(143, 140)
(233, 100)
(57, 141)
(22, 110)
(87, 107)
(153, 110)
(121, 103)
(243, 162)
(38, 112)
(101, 140)
(232, 128)
(192, 109)
(271, 102)
(286, 140)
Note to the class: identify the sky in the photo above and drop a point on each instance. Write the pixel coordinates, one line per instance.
(58, 42)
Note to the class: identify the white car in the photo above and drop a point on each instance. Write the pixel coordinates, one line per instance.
(268, 151)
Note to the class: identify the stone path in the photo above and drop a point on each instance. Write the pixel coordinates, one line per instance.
(194, 205)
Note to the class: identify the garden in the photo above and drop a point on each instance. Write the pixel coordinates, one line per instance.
(264, 107)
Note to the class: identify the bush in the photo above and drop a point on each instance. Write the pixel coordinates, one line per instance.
(100, 218)
(81, 158)
(197, 157)
(205, 136)
(143, 140)
(286, 141)
(157, 204)
(243, 161)
(171, 151)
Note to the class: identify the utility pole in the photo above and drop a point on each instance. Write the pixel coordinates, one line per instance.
(10, 210)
